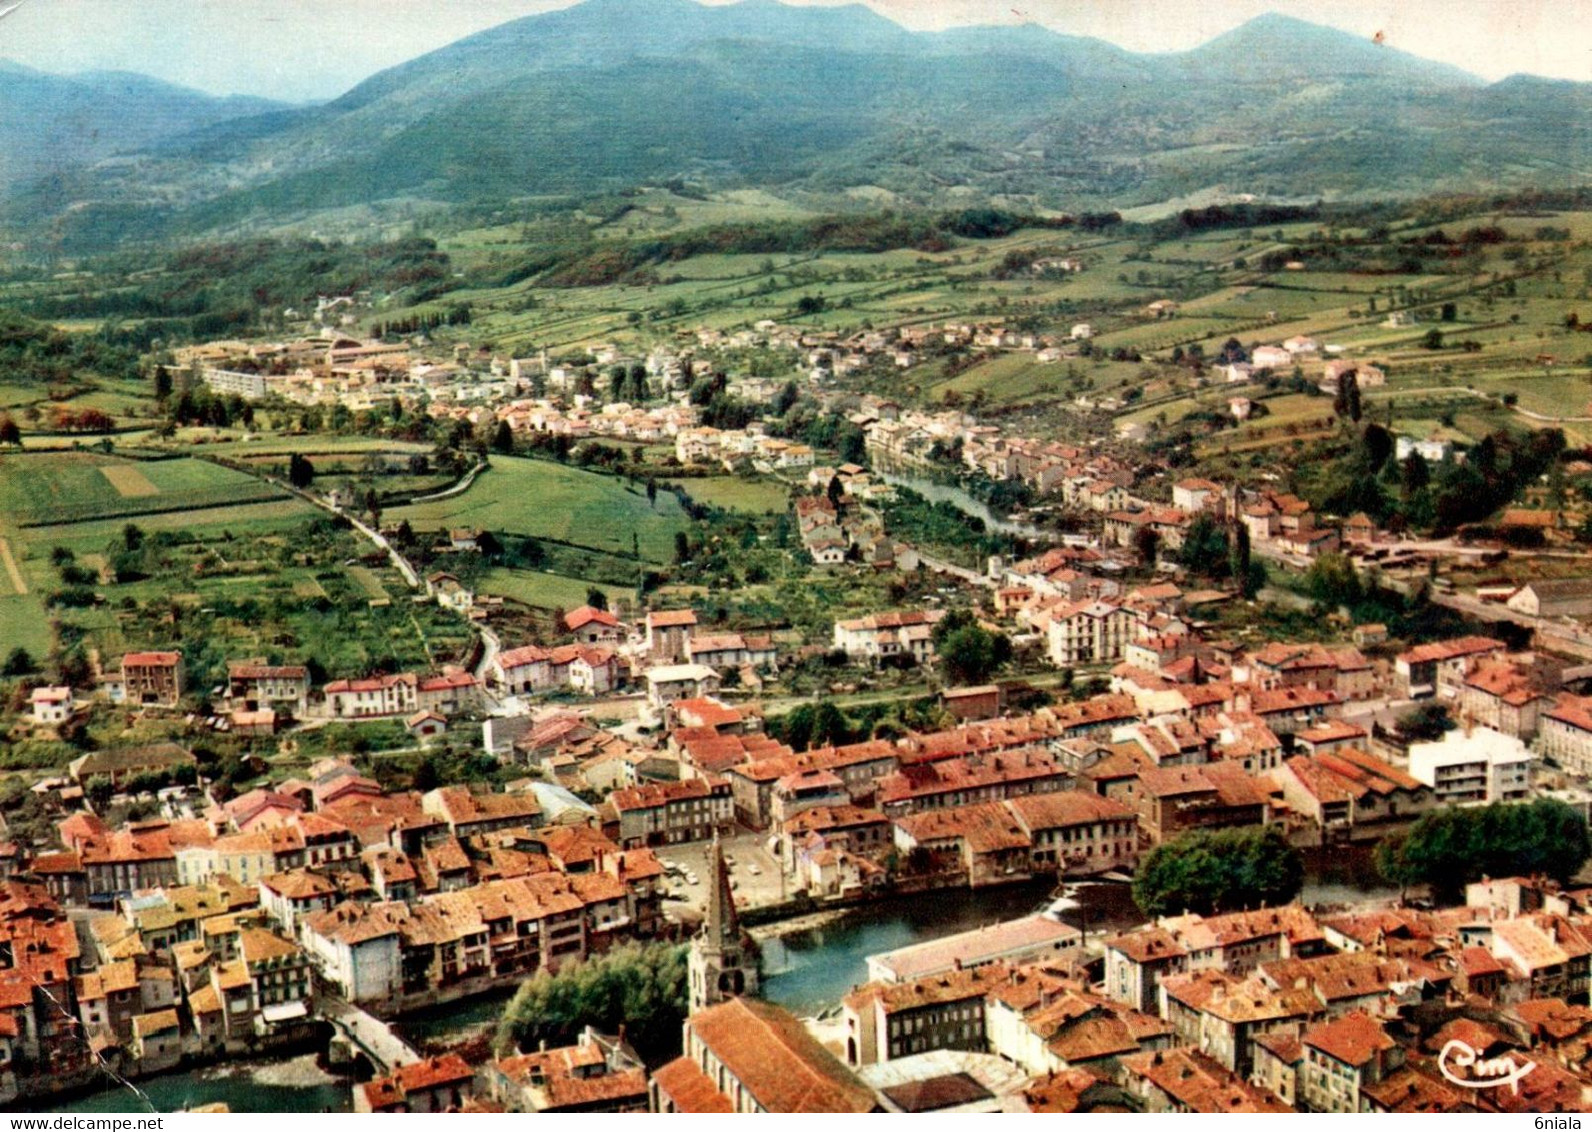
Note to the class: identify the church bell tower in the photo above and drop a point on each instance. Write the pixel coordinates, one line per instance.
(723, 960)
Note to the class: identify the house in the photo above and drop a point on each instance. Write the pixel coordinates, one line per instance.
(1194, 495)
(1077, 833)
(1173, 800)
(670, 682)
(1342, 1057)
(669, 634)
(437, 1084)
(885, 636)
(50, 707)
(732, 650)
(970, 704)
(450, 592)
(596, 1074)
(122, 763)
(1185, 1080)
(1564, 734)
(524, 669)
(1271, 357)
(1498, 695)
(152, 678)
(889, 1021)
(1558, 597)
(982, 844)
(426, 726)
(668, 813)
(594, 626)
(375, 697)
(1423, 669)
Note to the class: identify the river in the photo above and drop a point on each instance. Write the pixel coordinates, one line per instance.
(811, 970)
(958, 496)
(292, 1085)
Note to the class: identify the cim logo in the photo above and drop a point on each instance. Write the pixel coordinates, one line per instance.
(1485, 1072)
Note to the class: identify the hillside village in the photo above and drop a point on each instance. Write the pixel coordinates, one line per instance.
(215, 922)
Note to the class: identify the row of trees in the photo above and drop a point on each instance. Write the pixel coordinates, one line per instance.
(1450, 848)
(1212, 550)
(1209, 871)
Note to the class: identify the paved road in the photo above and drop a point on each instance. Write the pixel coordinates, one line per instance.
(464, 485)
(940, 566)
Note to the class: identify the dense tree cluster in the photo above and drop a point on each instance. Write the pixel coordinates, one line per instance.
(1219, 871)
(970, 653)
(641, 988)
(1450, 848)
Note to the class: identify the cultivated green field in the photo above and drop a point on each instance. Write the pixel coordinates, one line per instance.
(734, 493)
(547, 591)
(547, 500)
(83, 486)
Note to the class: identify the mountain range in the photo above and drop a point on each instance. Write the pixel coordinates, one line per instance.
(807, 100)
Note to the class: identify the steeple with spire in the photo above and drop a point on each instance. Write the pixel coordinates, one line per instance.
(723, 960)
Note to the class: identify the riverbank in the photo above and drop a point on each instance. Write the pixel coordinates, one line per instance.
(297, 1084)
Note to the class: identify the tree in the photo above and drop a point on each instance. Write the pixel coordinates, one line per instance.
(163, 383)
(373, 507)
(1425, 724)
(10, 433)
(972, 654)
(852, 444)
(132, 538)
(1147, 542)
(682, 547)
(596, 598)
(1238, 559)
(835, 492)
(1432, 339)
(652, 492)
(19, 663)
(1449, 312)
(1332, 581)
(300, 472)
(639, 988)
(1450, 848)
(1414, 474)
(503, 439)
(1377, 444)
(1219, 871)
(1205, 548)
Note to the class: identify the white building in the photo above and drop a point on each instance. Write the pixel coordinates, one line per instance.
(1089, 632)
(1482, 765)
(1433, 451)
(51, 706)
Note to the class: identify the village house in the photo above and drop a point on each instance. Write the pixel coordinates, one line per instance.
(152, 678)
(669, 634)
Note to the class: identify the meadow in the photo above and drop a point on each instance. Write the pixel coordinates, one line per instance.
(545, 500)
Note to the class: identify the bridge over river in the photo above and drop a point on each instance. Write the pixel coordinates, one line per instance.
(368, 1034)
